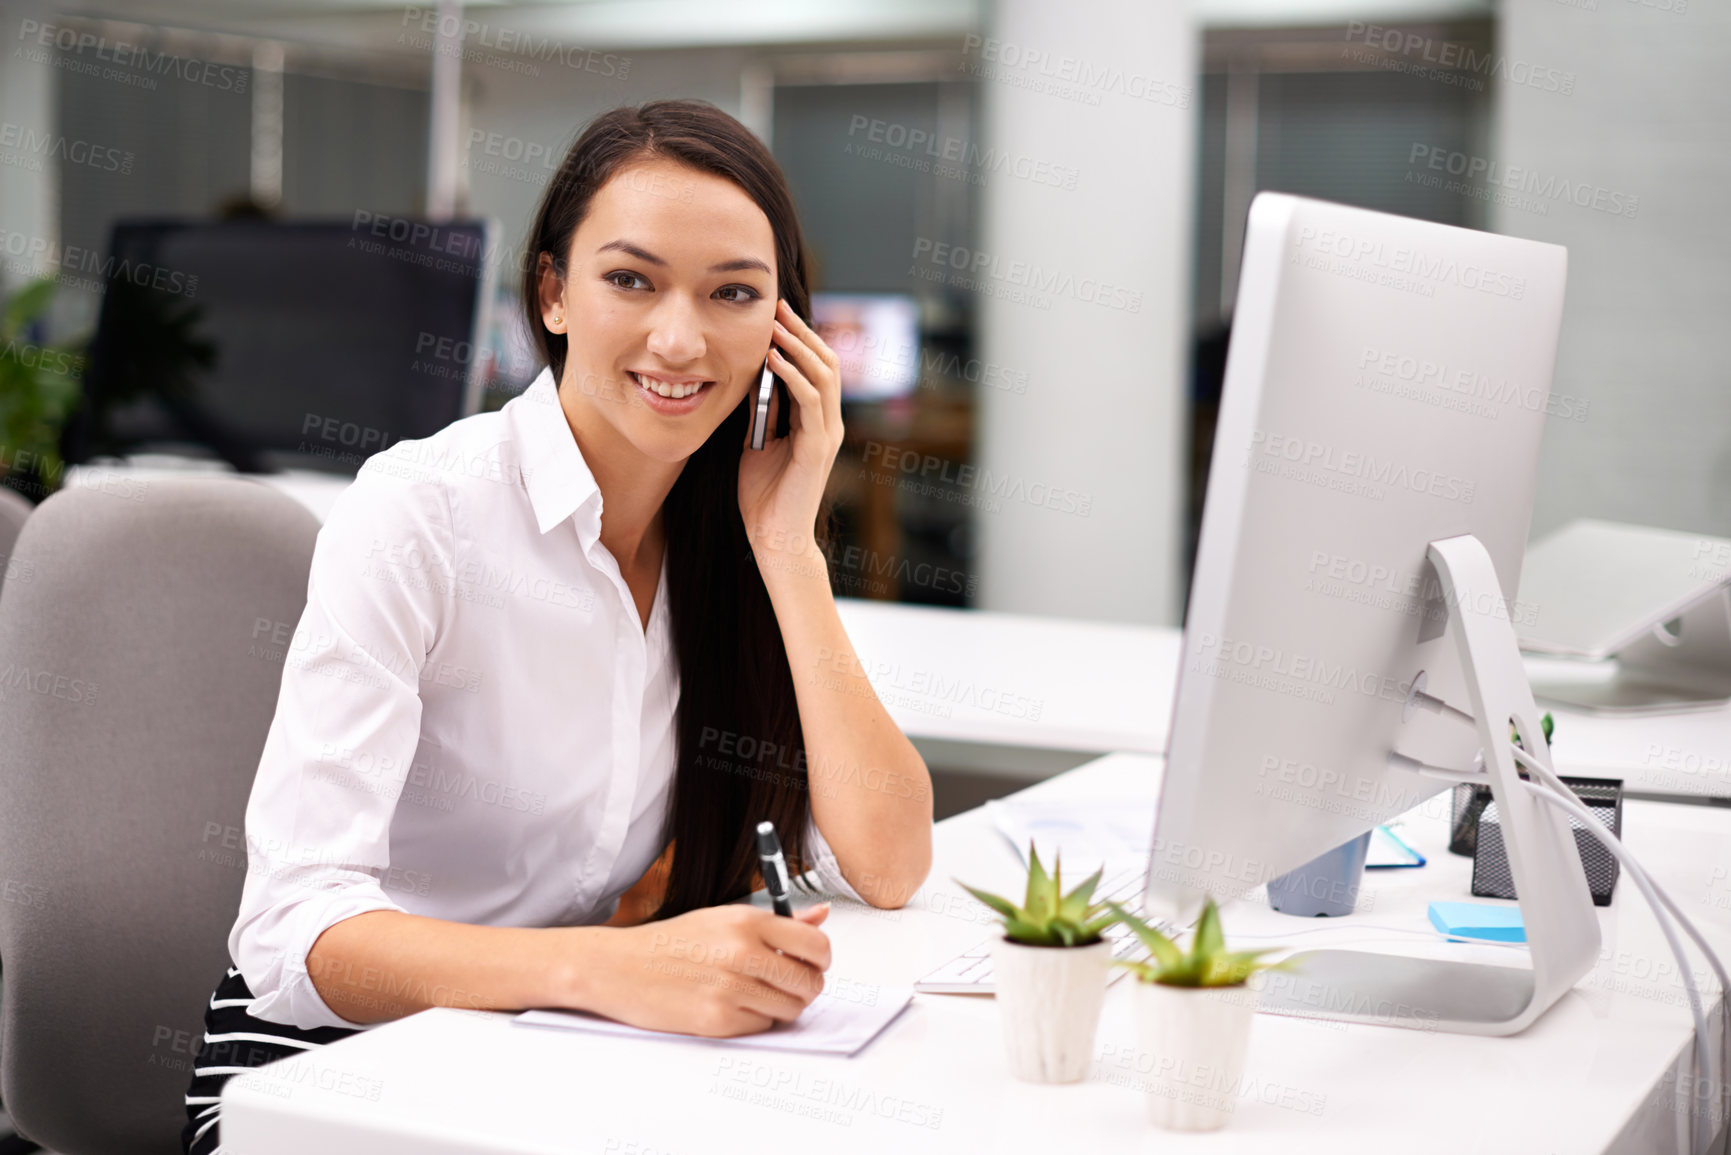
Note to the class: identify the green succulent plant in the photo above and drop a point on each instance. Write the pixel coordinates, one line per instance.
(1047, 916)
(1207, 964)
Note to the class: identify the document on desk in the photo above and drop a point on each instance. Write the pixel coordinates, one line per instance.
(1088, 832)
(838, 1022)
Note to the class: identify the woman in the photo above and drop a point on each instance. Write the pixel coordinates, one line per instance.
(547, 644)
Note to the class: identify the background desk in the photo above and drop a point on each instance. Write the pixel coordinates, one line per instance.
(1597, 1073)
(1001, 679)
(955, 677)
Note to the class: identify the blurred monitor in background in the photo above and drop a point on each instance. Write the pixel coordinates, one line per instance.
(877, 337)
(304, 345)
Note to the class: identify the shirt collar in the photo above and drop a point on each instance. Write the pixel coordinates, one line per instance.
(554, 472)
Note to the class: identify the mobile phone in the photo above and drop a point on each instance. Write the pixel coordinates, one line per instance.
(760, 411)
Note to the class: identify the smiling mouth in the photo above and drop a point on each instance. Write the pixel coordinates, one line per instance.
(666, 388)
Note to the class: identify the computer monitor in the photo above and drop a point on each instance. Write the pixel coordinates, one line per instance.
(312, 344)
(877, 337)
(1386, 388)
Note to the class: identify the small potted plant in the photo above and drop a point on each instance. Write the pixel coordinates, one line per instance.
(1193, 1015)
(1049, 970)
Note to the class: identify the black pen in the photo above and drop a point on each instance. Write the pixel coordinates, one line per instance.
(774, 868)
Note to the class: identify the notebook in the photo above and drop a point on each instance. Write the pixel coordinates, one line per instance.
(839, 1021)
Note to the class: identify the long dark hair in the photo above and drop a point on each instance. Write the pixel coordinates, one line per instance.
(740, 750)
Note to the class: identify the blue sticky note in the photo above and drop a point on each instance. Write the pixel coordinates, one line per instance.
(1479, 920)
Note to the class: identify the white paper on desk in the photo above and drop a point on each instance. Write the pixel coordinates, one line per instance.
(1087, 832)
(831, 1025)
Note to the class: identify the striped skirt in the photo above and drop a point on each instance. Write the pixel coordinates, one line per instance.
(234, 1041)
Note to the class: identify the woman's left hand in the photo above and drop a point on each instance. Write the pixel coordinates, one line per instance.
(781, 486)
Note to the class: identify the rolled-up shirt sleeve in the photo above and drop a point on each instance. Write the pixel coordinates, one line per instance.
(822, 862)
(344, 735)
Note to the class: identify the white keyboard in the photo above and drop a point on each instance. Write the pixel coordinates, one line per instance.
(971, 973)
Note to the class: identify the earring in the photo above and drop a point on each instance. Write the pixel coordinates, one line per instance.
(558, 320)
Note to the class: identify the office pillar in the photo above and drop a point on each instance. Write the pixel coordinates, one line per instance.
(1612, 140)
(29, 193)
(444, 144)
(1083, 276)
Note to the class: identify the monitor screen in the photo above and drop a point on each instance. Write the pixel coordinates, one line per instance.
(877, 337)
(271, 345)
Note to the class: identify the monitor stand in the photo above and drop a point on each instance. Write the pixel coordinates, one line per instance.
(1556, 905)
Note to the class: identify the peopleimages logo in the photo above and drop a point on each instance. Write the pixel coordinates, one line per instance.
(1456, 56)
(1088, 78)
(1712, 560)
(1367, 474)
(77, 42)
(1274, 667)
(477, 42)
(1467, 389)
(1517, 178)
(29, 146)
(983, 271)
(1387, 587)
(1446, 270)
(37, 251)
(1326, 788)
(967, 156)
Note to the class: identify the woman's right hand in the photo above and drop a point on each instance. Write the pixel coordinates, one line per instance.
(720, 971)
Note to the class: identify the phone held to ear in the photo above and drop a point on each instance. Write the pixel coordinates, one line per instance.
(767, 385)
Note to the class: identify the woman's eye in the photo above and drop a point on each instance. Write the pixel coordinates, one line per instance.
(614, 279)
(745, 293)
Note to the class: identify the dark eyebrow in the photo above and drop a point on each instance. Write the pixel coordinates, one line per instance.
(738, 264)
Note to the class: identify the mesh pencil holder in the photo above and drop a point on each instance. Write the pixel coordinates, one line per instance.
(1602, 796)
(1468, 803)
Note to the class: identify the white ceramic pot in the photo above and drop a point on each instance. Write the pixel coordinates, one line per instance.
(1193, 1041)
(1049, 1001)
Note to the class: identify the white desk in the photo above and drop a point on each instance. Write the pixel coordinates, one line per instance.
(1684, 753)
(1590, 1076)
(1106, 687)
(1015, 679)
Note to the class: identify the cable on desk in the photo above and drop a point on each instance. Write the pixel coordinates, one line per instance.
(1551, 789)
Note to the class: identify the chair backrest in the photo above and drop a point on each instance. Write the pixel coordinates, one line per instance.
(14, 508)
(139, 672)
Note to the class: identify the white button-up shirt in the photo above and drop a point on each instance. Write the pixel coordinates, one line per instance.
(474, 723)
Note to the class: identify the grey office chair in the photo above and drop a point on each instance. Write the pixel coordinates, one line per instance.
(137, 682)
(14, 508)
